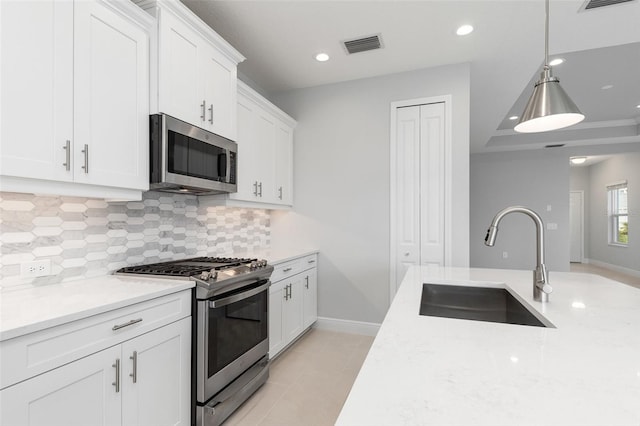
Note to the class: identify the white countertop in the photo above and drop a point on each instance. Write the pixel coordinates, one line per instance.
(425, 370)
(37, 308)
(277, 255)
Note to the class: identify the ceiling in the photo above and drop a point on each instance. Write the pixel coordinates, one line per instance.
(601, 46)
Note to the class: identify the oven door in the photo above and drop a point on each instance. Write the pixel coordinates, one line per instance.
(232, 335)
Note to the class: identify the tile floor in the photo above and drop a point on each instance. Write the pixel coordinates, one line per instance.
(308, 383)
(607, 273)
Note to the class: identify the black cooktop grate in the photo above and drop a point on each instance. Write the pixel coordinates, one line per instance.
(184, 268)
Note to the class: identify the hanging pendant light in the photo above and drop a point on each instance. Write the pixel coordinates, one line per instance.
(549, 107)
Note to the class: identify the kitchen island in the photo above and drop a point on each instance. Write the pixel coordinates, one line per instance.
(424, 370)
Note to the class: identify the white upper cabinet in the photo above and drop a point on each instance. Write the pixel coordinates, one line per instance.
(74, 98)
(265, 155)
(194, 70)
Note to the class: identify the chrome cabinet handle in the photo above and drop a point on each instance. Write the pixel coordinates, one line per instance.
(134, 374)
(286, 269)
(211, 114)
(260, 186)
(311, 261)
(67, 148)
(290, 295)
(126, 324)
(85, 151)
(117, 382)
(286, 293)
(307, 282)
(280, 193)
(255, 188)
(202, 105)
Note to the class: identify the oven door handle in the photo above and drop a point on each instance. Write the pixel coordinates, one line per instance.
(237, 297)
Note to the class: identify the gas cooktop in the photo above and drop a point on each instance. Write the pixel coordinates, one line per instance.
(213, 275)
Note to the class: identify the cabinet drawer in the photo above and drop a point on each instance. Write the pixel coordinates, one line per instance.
(286, 269)
(310, 261)
(35, 353)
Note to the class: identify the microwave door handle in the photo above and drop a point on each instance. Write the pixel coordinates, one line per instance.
(223, 166)
(228, 170)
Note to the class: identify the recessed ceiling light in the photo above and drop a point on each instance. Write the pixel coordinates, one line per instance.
(513, 117)
(322, 57)
(607, 86)
(578, 160)
(556, 61)
(464, 30)
(638, 106)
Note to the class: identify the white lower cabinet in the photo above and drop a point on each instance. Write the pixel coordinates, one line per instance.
(80, 393)
(145, 380)
(292, 301)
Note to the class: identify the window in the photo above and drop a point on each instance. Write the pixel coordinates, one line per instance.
(618, 214)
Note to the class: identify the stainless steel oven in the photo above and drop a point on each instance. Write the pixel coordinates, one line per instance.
(231, 340)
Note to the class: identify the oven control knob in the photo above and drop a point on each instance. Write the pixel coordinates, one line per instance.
(205, 276)
(262, 263)
(213, 274)
(253, 265)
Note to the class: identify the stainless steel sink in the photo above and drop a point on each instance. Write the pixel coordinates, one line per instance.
(476, 303)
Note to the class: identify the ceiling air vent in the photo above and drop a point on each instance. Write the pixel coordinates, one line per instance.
(363, 44)
(593, 4)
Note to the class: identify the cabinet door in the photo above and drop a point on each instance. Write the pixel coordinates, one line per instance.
(160, 361)
(276, 301)
(179, 73)
(219, 91)
(283, 158)
(292, 310)
(80, 393)
(111, 98)
(248, 160)
(265, 132)
(310, 297)
(36, 83)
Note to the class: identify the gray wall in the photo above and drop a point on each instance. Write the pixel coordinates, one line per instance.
(579, 180)
(341, 195)
(536, 179)
(618, 168)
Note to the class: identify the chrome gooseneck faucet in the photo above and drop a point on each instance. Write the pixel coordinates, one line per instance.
(541, 287)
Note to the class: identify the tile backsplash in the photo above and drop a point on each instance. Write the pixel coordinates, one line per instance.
(86, 237)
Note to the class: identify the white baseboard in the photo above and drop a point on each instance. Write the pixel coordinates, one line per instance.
(347, 326)
(616, 268)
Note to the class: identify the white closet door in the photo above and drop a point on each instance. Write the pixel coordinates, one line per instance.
(407, 189)
(418, 193)
(432, 186)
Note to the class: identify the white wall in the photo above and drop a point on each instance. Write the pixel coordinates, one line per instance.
(535, 179)
(617, 168)
(341, 194)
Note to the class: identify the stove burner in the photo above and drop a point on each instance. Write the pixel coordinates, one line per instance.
(187, 267)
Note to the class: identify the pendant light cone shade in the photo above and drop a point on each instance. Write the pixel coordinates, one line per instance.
(549, 107)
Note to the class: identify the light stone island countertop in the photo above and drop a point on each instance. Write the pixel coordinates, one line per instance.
(33, 309)
(425, 370)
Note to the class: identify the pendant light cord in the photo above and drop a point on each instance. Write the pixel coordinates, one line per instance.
(546, 35)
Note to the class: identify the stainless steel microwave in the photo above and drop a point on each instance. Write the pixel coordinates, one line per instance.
(187, 159)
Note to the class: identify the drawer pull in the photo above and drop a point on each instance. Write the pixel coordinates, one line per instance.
(287, 269)
(126, 324)
(311, 261)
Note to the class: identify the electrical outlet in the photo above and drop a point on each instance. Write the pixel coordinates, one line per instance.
(505, 255)
(37, 268)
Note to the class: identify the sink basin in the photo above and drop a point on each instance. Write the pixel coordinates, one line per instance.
(475, 303)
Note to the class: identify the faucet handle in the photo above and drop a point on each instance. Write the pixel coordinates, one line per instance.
(545, 287)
